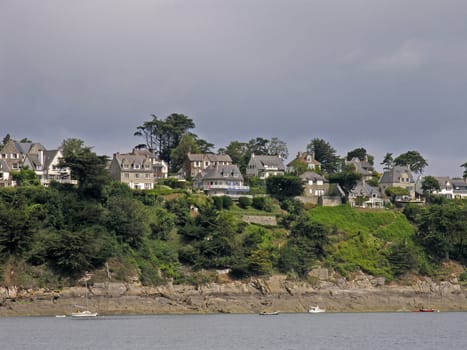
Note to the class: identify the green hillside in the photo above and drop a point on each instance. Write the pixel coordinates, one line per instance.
(372, 241)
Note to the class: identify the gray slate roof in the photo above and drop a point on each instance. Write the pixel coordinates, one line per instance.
(311, 175)
(363, 189)
(393, 175)
(263, 162)
(199, 157)
(223, 172)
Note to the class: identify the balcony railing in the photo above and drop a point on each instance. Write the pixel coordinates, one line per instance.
(226, 187)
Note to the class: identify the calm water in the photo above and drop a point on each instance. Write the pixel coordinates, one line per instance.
(285, 331)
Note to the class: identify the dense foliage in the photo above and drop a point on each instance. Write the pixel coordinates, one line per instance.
(58, 231)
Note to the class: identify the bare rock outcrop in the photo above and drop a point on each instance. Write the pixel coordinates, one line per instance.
(324, 287)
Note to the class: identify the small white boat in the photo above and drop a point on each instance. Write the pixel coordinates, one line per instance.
(83, 314)
(316, 309)
(83, 311)
(265, 313)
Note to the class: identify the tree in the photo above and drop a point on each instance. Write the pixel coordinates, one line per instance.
(164, 135)
(388, 161)
(238, 152)
(127, 219)
(277, 147)
(359, 153)
(443, 231)
(306, 243)
(25, 177)
(413, 160)
(347, 178)
(393, 192)
(300, 167)
(5, 140)
(188, 144)
(465, 170)
(151, 131)
(88, 168)
(430, 184)
(285, 186)
(73, 253)
(17, 228)
(175, 125)
(325, 154)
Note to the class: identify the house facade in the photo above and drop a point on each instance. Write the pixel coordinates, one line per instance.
(362, 167)
(5, 178)
(34, 156)
(314, 185)
(221, 180)
(197, 163)
(365, 196)
(398, 176)
(264, 166)
(449, 188)
(305, 158)
(139, 169)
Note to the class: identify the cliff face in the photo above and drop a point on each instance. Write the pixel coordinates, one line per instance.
(361, 293)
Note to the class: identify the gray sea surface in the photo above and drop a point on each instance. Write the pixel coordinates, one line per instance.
(230, 331)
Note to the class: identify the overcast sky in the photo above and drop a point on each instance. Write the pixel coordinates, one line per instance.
(386, 75)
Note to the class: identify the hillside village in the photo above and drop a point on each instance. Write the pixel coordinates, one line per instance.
(217, 175)
(214, 235)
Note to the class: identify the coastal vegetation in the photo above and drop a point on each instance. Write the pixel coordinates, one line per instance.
(52, 236)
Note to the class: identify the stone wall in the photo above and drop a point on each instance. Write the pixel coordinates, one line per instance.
(260, 220)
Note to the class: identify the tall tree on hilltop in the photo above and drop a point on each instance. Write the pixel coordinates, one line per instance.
(188, 144)
(5, 140)
(150, 130)
(412, 159)
(238, 152)
(325, 154)
(164, 135)
(359, 153)
(465, 170)
(277, 147)
(388, 161)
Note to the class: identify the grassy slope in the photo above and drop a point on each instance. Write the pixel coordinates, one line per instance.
(361, 238)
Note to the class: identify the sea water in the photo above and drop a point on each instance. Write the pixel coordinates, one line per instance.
(230, 331)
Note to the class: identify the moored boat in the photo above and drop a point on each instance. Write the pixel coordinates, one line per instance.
(427, 310)
(83, 314)
(316, 309)
(264, 313)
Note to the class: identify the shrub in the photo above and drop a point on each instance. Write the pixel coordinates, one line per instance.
(262, 203)
(227, 202)
(244, 202)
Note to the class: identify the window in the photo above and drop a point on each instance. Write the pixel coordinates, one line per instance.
(137, 175)
(147, 176)
(126, 175)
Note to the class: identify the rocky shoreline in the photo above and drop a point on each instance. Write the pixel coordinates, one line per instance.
(361, 294)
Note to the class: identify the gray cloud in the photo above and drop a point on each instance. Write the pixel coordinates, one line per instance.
(389, 76)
